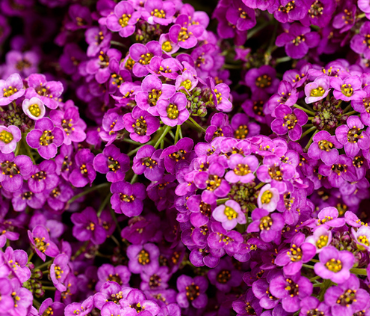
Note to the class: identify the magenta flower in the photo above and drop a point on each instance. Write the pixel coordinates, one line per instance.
(229, 214)
(147, 161)
(59, 271)
(185, 34)
(16, 261)
(242, 168)
(321, 238)
(46, 138)
(123, 19)
(173, 111)
(159, 12)
(317, 90)
(192, 291)
(83, 172)
(263, 78)
(347, 89)
(142, 55)
(11, 89)
(9, 138)
(143, 257)
(41, 243)
(324, 147)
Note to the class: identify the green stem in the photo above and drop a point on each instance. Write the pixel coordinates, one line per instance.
(315, 278)
(228, 66)
(311, 129)
(222, 201)
(315, 260)
(127, 140)
(256, 29)
(350, 113)
(30, 256)
(325, 286)
(134, 151)
(45, 264)
(164, 133)
(311, 140)
(196, 124)
(259, 185)
(115, 240)
(36, 304)
(177, 133)
(305, 110)
(29, 152)
(118, 44)
(103, 205)
(307, 266)
(134, 178)
(80, 250)
(282, 59)
(347, 108)
(172, 135)
(49, 288)
(180, 132)
(358, 271)
(92, 189)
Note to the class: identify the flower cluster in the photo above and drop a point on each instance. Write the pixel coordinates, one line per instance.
(156, 163)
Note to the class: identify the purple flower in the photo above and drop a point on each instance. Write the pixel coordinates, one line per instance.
(16, 261)
(112, 124)
(187, 81)
(173, 111)
(88, 227)
(269, 224)
(320, 239)
(351, 136)
(118, 274)
(123, 19)
(136, 304)
(219, 126)
(41, 243)
(345, 18)
(143, 257)
(291, 290)
(57, 308)
(21, 297)
(113, 163)
(299, 39)
(98, 40)
(299, 253)
(46, 138)
(229, 215)
(359, 42)
(311, 305)
(362, 237)
(192, 291)
(168, 47)
(34, 108)
(172, 155)
(99, 66)
(347, 297)
(225, 276)
(329, 217)
(243, 168)
(324, 147)
(13, 170)
(242, 127)
(111, 309)
(184, 33)
(154, 279)
(317, 90)
(142, 55)
(268, 198)
(25, 197)
(59, 271)
(140, 124)
(240, 15)
(83, 308)
(9, 137)
(70, 122)
(263, 78)
(153, 91)
(347, 89)
(47, 91)
(289, 121)
(147, 161)
(84, 172)
(43, 177)
(159, 12)
(11, 89)
(334, 264)
(128, 198)
(289, 11)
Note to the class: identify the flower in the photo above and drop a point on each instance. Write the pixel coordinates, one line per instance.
(192, 291)
(225, 276)
(43, 177)
(324, 147)
(41, 243)
(347, 89)
(59, 271)
(270, 225)
(362, 237)
(184, 34)
(142, 55)
(242, 168)
(9, 138)
(317, 90)
(143, 257)
(83, 172)
(321, 238)
(229, 215)
(11, 89)
(334, 264)
(34, 108)
(268, 198)
(147, 161)
(173, 111)
(45, 138)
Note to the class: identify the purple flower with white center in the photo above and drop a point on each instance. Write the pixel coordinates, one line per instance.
(128, 198)
(321, 238)
(184, 33)
(291, 290)
(243, 168)
(268, 198)
(168, 47)
(83, 172)
(54, 308)
(43, 177)
(229, 214)
(269, 224)
(147, 161)
(300, 252)
(172, 155)
(298, 40)
(311, 305)
(98, 40)
(154, 279)
(360, 42)
(324, 147)
(41, 243)
(347, 297)
(136, 304)
(99, 66)
(351, 136)
(88, 227)
(159, 12)
(192, 291)
(25, 197)
(143, 257)
(11, 89)
(263, 78)
(289, 121)
(334, 265)
(112, 124)
(70, 122)
(329, 217)
(152, 91)
(347, 89)
(317, 90)
(14, 170)
(362, 237)
(242, 127)
(219, 126)
(16, 261)
(59, 271)
(173, 111)
(9, 138)
(113, 163)
(34, 108)
(140, 124)
(118, 274)
(47, 91)
(123, 19)
(46, 138)
(339, 172)
(142, 55)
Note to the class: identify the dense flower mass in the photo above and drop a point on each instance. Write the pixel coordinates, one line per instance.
(173, 157)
